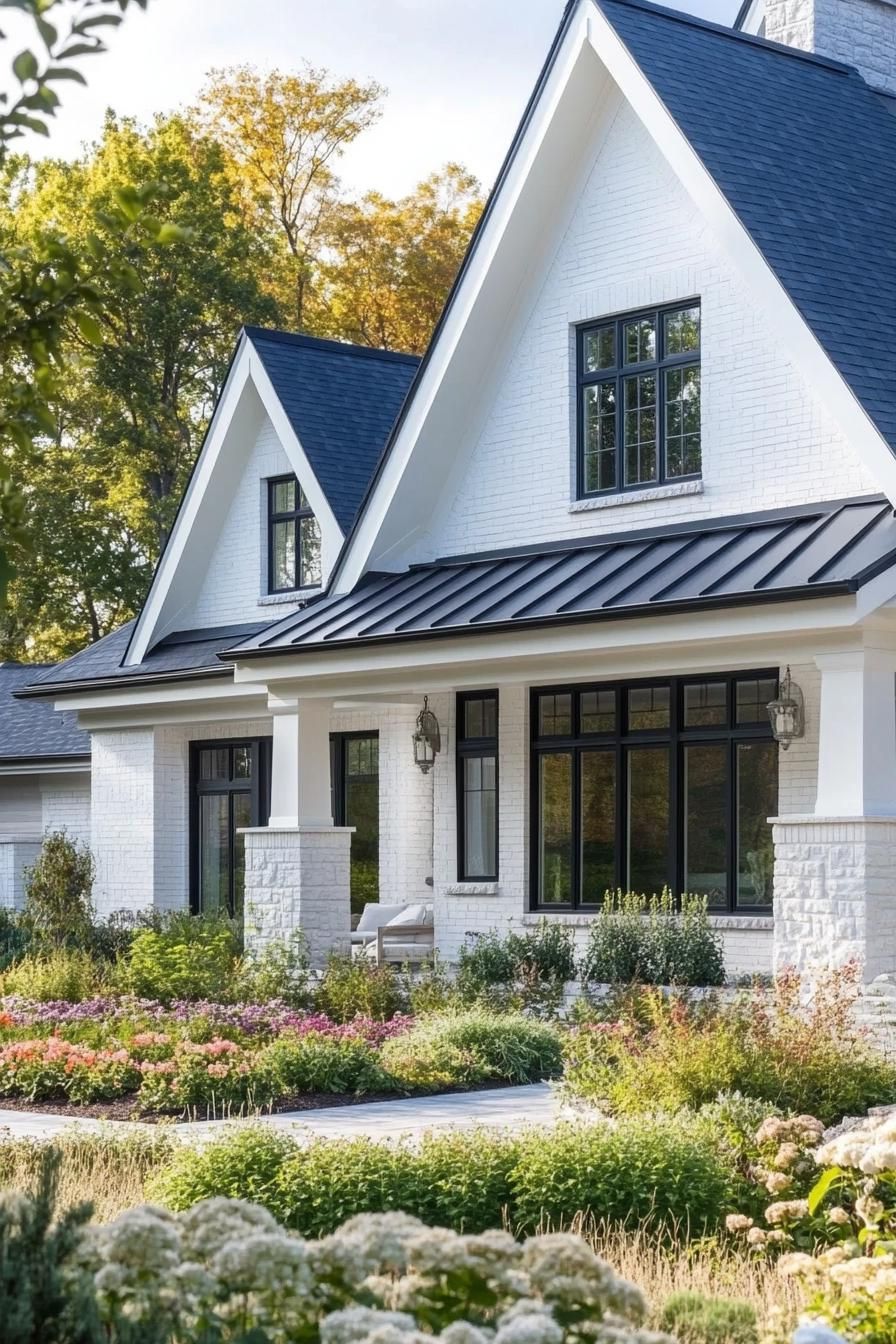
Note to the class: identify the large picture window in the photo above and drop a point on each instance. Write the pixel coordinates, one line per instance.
(477, 786)
(644, 785)
(230, 790)
(639, 400)
(293, 537)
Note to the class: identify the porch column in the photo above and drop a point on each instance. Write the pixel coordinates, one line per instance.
(835, 869)
(297, 867)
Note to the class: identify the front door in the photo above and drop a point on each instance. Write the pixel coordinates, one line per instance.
(229, 790)
(355, 775)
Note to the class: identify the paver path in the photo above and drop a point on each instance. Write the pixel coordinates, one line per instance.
(505, 1108)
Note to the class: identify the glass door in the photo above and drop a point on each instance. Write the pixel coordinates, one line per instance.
(229, 792)
(355, 777)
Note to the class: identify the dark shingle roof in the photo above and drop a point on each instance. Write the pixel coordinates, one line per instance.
(188, 652)
(804, 150)
(35, 729)
(342, 401)
(818, 551)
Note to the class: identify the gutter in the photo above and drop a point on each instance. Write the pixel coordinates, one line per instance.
(49, 690)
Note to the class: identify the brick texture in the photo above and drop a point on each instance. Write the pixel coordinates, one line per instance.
(858, 32)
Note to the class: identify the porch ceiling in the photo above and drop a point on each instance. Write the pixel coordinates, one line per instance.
(818, 551)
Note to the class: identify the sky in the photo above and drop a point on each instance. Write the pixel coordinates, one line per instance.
(458, 72)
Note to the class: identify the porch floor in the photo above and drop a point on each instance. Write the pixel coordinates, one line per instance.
(502, 1108)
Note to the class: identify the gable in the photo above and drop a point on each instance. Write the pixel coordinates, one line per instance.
(710, 101)
(636, 239)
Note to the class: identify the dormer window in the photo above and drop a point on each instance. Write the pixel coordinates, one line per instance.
(293, 538)
(639, 400)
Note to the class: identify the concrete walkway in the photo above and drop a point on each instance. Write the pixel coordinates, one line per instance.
(503, 1108)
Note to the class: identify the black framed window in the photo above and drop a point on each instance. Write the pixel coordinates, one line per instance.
(477, 786)
(230, 789)
(638, 379)
(652, 784)
(355, 785)
(293, 537)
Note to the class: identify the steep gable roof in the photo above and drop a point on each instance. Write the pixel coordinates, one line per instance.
(342, 401)
(787, 154)
(804, 150)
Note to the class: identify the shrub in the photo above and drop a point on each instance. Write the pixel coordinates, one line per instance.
(58, 892)
(639, 940)
(15, 938)
(358, 988)
(461, 1179)
(644, 1171)
(325, 1183)
(527, 970)
(797, 1052)
(44, 1069)
(471, 1047)
(244, 1163)
(280, 971)
(186, 957)
(695, 1319)
(64, 973)
(314, 1062)
(215, 1076)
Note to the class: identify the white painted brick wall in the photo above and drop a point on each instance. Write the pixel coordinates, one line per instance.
(636, 239)
(65, 805)
(122, 806)
(298, 879)
(859, 32)
(236, 578)
(15, 857)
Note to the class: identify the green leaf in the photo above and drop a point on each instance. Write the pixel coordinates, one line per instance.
(826, 1181)
(25, 66)
(173, 233)
(89, 328)
(77, 49)
(47, 32)
(63, 72)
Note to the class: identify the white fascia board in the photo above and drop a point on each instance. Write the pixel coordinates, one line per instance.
(247, 368)
(364, 536)
(754, 16)
(735, 636)
(188, 697)
(807, 352)
(80, 766)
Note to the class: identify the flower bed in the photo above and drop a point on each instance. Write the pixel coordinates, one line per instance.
(213, 1058)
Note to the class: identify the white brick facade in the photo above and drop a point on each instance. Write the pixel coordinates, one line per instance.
(636, 239)
(858, 32)
(65, 805)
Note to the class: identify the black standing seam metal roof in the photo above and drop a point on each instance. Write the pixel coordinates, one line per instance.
(817, 551)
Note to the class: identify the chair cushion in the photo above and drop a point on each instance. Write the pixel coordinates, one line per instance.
(374, 915)
(411, 914)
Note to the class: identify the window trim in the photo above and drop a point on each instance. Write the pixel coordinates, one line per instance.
(617, 375)
(466, 747)
(259, 787)
(620, 742)
(295, 516)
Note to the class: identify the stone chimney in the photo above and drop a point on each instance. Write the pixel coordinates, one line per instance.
(858, 32)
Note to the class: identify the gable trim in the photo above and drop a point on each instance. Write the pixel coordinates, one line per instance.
(246, 367)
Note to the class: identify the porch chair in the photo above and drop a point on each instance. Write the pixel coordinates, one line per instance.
(406, 935)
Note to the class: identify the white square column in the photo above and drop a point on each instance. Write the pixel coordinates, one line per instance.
(835, 868)
(298, 866)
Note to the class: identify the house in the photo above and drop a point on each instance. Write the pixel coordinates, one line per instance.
(640, 488)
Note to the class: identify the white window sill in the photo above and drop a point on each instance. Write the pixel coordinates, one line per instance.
(472, 889)
(637, 496)
(292, 598)
(725, 923)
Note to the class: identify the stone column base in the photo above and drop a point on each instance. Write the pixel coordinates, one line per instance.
(835, 892)
(298, 878)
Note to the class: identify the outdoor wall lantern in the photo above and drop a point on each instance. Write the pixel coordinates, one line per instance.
(427, 739)
(786, 713)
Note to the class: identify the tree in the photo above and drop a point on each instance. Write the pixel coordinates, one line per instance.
(128, 418)
(43, 288)
(390, 264)
(282, 134)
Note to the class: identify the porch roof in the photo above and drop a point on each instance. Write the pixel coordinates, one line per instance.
(813, 551)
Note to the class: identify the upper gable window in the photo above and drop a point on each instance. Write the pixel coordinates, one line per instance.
(639, 400)
(293, 538)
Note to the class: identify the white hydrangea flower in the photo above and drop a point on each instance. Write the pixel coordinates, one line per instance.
(211, 1224)
(146, 1240)
(462, 1332)
(786, 1210)
(879, 1157)
(798, 1264)
(815, 1332)
(738, 1222)
(371, 1243)
(359, 1323)
(270, 1265)
(529, 1327)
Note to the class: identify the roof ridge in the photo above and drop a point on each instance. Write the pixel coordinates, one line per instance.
(724, 30)
(327, 343)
